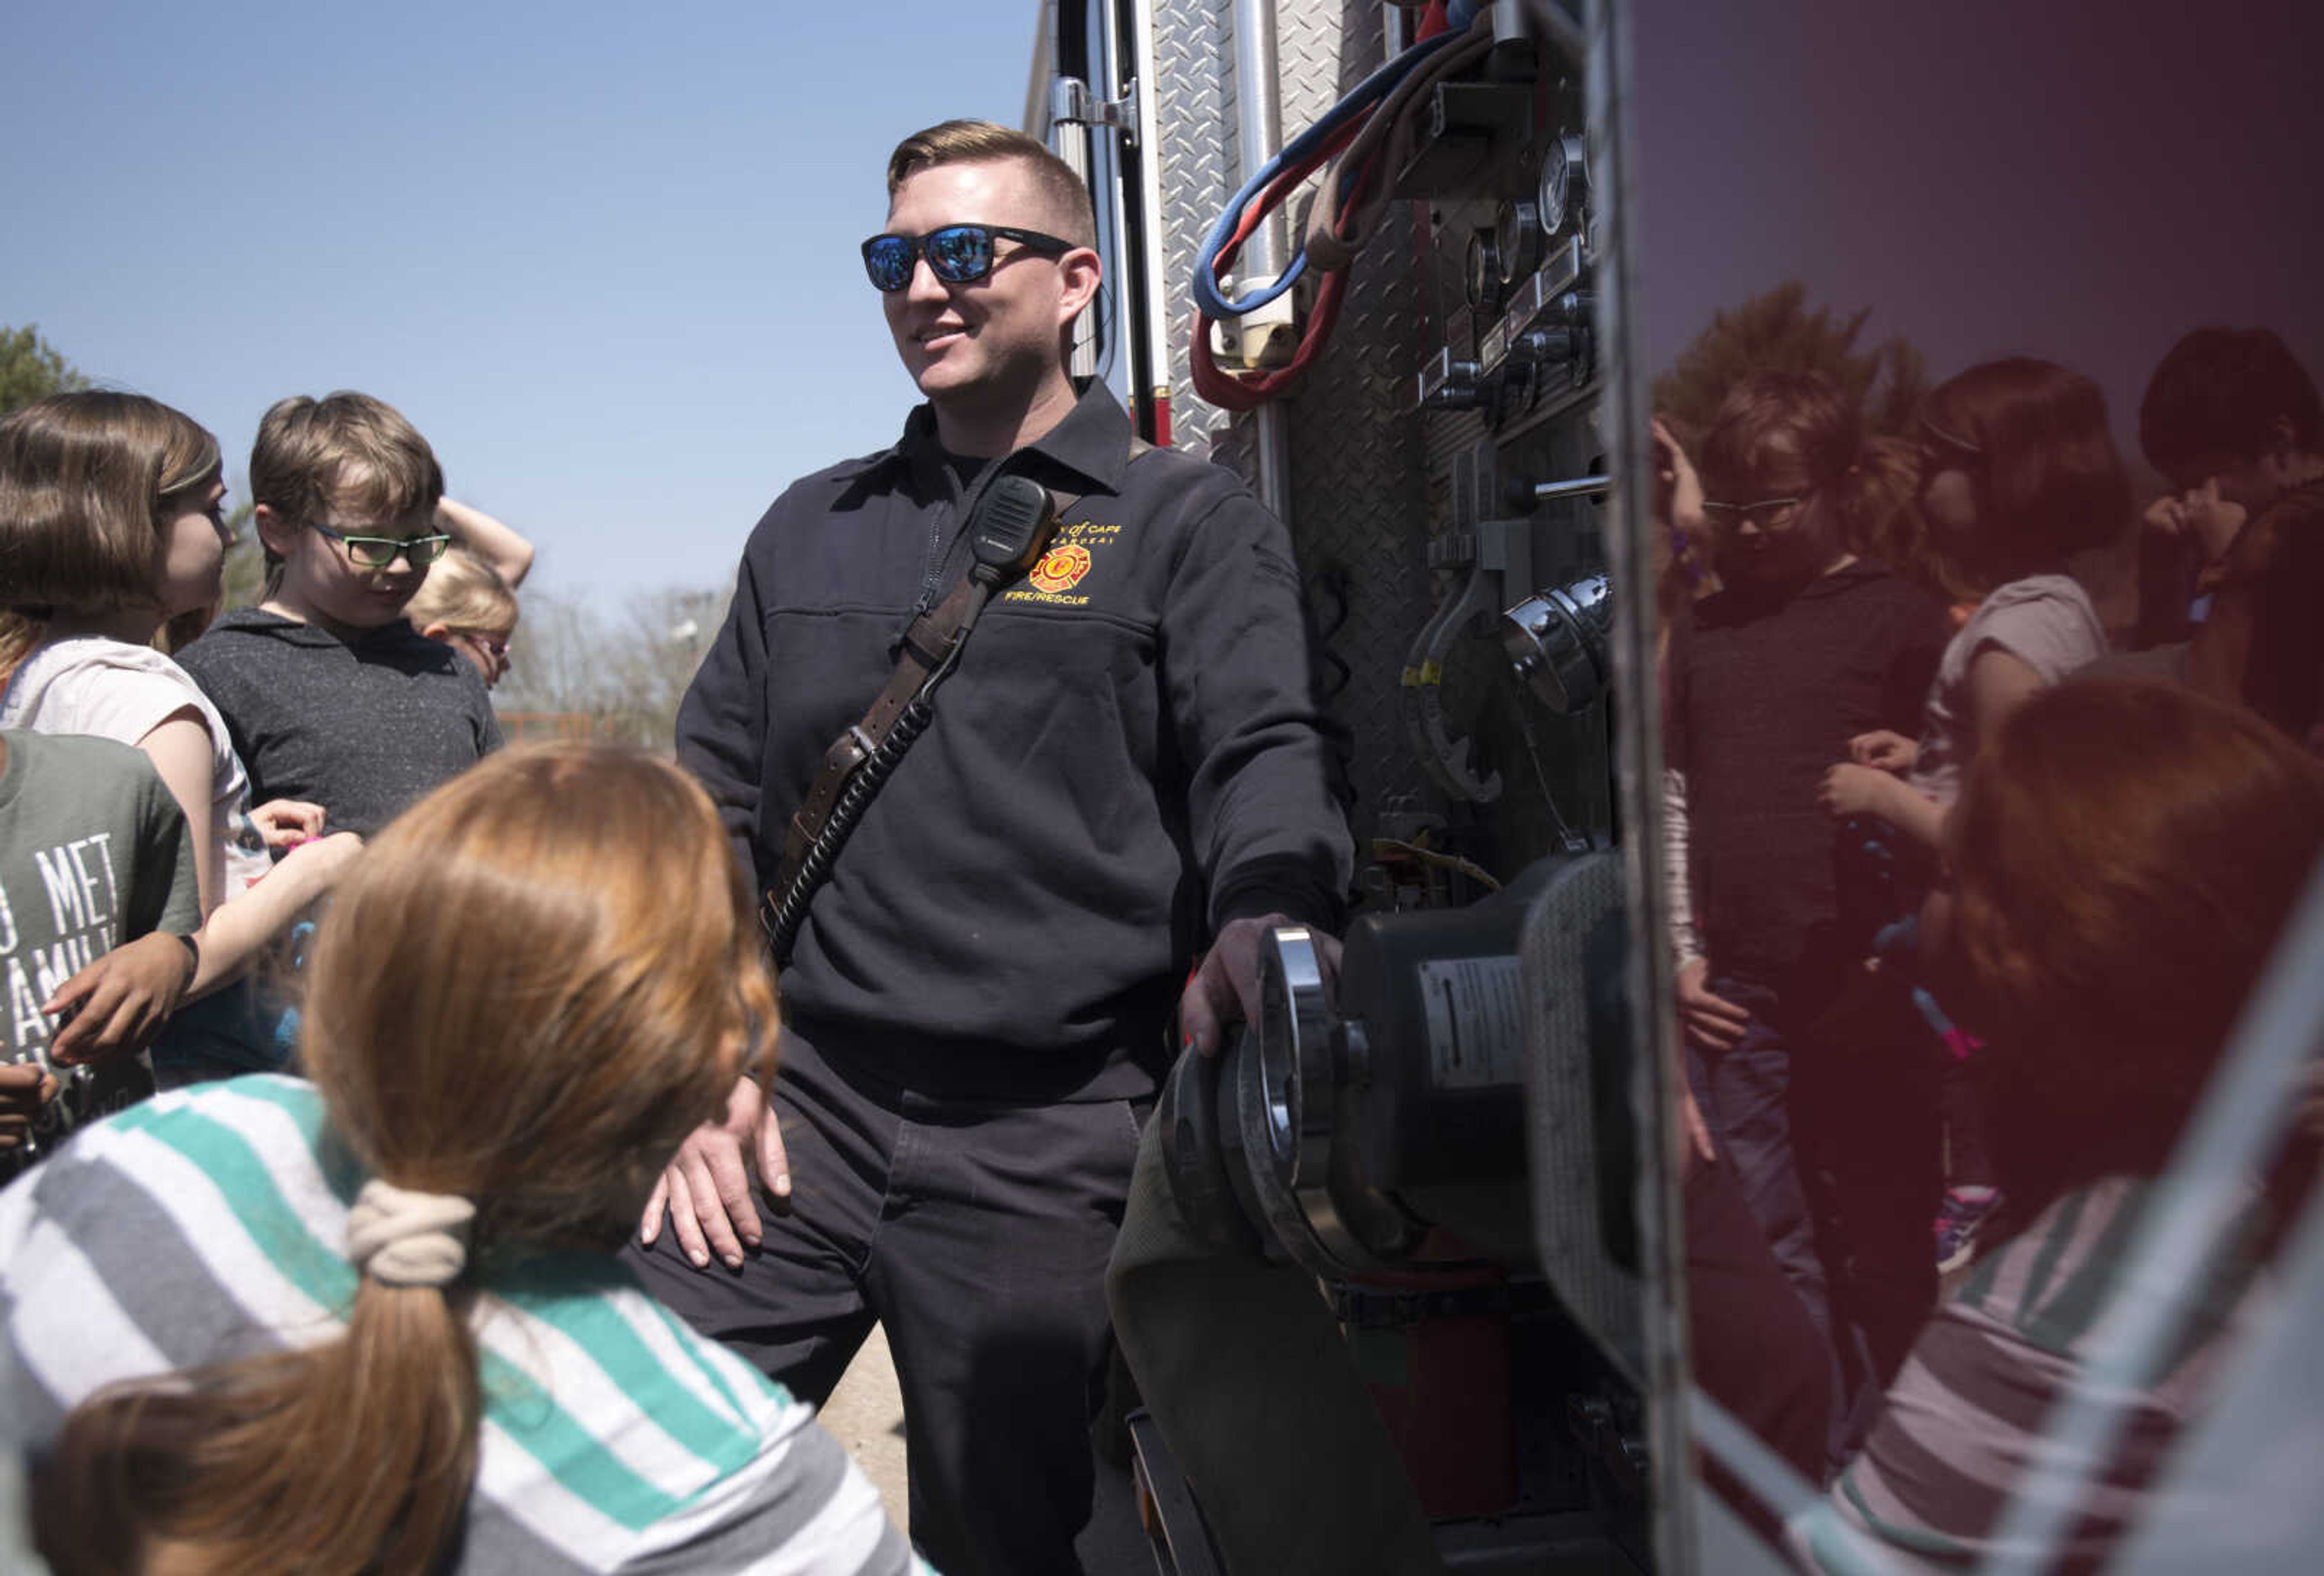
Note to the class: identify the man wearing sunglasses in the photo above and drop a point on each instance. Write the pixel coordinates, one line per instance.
(1126, 765)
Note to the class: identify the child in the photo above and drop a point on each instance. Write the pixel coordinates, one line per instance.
(95, 860)
(388, 1332)
(109, 526)
(1804, 647)
(465, 604)
(329, 694)
(2120, 862)
(2018, 474)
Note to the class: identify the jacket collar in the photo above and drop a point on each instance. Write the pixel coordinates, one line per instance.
(1090, 446)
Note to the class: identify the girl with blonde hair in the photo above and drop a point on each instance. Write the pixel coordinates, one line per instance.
(465, 603)
(373, 1323)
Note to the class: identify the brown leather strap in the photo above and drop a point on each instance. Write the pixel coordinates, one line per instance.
(927, 643)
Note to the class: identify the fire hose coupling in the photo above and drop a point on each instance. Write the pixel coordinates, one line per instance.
(1558, 642)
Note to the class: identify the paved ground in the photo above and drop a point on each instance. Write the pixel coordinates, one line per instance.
(867, 1417)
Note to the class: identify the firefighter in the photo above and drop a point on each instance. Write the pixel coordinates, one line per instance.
(1125, 763)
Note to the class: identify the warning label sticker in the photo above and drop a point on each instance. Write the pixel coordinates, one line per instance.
(1476, 1030)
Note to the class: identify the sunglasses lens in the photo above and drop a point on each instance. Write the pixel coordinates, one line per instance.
(426, 550)
(960, 252)
(887, 259)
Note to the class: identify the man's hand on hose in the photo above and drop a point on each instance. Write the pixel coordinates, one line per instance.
(1224, 990)
(706, 1189)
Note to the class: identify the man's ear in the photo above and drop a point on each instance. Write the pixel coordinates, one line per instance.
(1082, 273)
(278, 534)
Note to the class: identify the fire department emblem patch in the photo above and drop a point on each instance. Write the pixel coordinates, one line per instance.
(1061, 568)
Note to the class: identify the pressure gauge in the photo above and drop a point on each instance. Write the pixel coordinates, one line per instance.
(1565, 185)
(1482, 275)
(1517, 231)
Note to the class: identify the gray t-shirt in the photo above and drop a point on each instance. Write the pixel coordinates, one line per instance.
(360, 727)
(94, 853)
(2045, 621)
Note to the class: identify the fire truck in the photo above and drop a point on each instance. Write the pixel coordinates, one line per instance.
(1397, 265)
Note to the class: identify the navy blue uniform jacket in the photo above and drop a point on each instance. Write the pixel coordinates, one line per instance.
(1127, 755)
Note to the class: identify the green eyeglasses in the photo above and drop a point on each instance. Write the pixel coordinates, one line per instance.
(377, 552)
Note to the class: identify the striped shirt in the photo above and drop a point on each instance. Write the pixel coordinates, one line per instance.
(211, 1225)
(1966, 1416)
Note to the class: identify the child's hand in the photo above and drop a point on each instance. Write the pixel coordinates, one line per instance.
(1884, 750)
(1850, 790)
(287, 822)
(25, 1090)
(1711, 1021)
(1678, 489)
(118, 1003)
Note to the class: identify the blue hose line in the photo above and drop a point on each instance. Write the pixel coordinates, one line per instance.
(1366, 93)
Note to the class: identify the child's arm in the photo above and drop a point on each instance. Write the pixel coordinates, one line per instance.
(238, 931)
(1850, 790)
(508, 554)
(179, 745)
(1999, 682)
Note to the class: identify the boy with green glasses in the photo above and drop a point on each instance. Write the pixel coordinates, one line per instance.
(328, 692)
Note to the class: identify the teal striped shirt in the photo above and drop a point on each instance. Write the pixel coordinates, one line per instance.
(211, 1225)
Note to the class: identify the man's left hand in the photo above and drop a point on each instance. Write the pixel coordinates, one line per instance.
(1224, 990)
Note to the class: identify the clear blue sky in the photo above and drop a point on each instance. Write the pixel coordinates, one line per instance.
(603, 255)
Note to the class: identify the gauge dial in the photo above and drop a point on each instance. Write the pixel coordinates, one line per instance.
(1517, 231)
(1565, 185)
(1482, 275)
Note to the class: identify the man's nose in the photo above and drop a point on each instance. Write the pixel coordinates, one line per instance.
(925, 286)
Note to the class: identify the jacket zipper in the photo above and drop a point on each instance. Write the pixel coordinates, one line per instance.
(939, 552)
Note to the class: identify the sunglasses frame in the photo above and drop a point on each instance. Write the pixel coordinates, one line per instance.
(496, 647)
(1034, 241)
(410, 549)
(1788, 509)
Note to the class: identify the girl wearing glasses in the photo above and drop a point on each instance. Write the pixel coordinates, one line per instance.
(2019, 474)
(465, 604)
(110, 526)
(375, 1321)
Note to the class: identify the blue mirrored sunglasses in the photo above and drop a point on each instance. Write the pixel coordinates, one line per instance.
(956, 254)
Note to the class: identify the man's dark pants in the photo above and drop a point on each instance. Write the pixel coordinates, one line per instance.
(976, 1232)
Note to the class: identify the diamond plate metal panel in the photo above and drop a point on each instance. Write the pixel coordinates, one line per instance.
(1369, 478)
(1193, 55)
(1357, 469)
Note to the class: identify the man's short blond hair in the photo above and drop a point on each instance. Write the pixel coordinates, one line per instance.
(982, 142)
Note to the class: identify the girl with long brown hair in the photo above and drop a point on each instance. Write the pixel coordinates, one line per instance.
(2121, 861)
(373, 1321)
(110, 526)
(2018, 474)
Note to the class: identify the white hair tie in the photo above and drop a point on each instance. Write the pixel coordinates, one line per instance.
(403, 1238)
